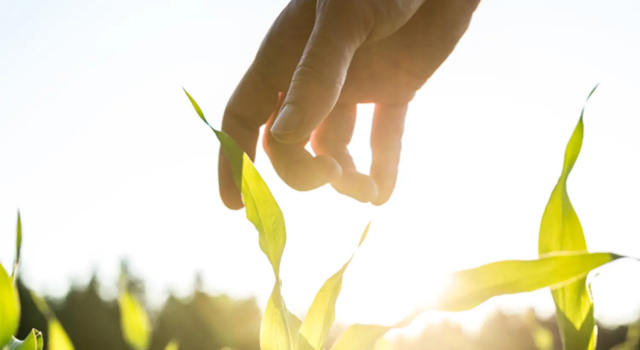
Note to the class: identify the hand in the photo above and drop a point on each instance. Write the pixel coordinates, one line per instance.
(326, 56)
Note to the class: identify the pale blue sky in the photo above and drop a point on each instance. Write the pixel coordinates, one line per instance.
(105, 157)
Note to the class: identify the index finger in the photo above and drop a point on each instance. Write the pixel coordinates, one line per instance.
(256, 96)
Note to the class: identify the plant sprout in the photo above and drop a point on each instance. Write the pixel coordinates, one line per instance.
(563, 266)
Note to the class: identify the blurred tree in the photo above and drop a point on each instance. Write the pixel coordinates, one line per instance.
(208, 322)
(214, 322)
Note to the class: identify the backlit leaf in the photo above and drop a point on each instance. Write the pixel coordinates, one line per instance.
(294, 328)
(470, 288)
(32, 342)
(42, 305)
(9, 308)
(560, 230)
(265, 214)
(16, 265)
(279, 328)
(57, 338)
(263, 211)
(234, 154)
(196, 107)
(322, 312)
(134, 321)
(365, 336)
(173, 345)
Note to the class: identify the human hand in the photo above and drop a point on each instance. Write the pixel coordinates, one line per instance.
(326, 56)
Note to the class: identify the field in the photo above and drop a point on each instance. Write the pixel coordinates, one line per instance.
(562, 266)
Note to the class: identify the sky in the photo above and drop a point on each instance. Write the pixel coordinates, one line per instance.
(106, 159)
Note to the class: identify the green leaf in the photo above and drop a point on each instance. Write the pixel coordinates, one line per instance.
(262, 209)
(265, 214)
(57, 337)
(470, 288)
(42, 305)
(32, 342)
(16, 265)
(173, 345)
(279, 328)
(294, 324)
(234, 154)
(134, 321)
(365, 336)
(560, 230)
(195, 106)
(9, 308)
(322, 312)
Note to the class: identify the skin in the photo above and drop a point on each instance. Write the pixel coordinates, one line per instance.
(317, 62)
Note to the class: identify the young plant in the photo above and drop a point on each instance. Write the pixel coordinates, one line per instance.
(134, 321)
(57, 337)
(560, 231)
(10, 312)
(136, 327)
(563, 266)
(10, 306)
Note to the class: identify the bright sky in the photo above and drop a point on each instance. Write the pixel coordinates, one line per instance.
(105, 157)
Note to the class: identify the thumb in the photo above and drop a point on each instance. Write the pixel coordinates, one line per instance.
(340, 28)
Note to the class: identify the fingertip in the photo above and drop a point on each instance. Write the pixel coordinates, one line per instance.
(229, 191)
(287, 127)
(233, 203)
(385, 192)
(357, 186)
(231, 197)
(309, 174)
(378, 201)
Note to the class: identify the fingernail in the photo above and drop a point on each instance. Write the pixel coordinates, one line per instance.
(286, 122)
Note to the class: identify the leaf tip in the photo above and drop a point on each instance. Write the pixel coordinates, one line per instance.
(364, 234)
(195, 106)
(593, 90)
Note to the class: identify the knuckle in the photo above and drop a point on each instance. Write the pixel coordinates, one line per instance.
(313, 76)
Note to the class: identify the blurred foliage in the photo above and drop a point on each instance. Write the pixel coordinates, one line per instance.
(214, 322)
(9, 308)
(134, 321)
(200, 321)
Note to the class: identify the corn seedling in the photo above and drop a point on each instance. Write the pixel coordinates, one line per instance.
(134, 321)
(562, 266)
(10, 311)
(136, 327)
(57, 337)
(10, 306)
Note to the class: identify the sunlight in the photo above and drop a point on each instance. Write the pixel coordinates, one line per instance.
(107, 161)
